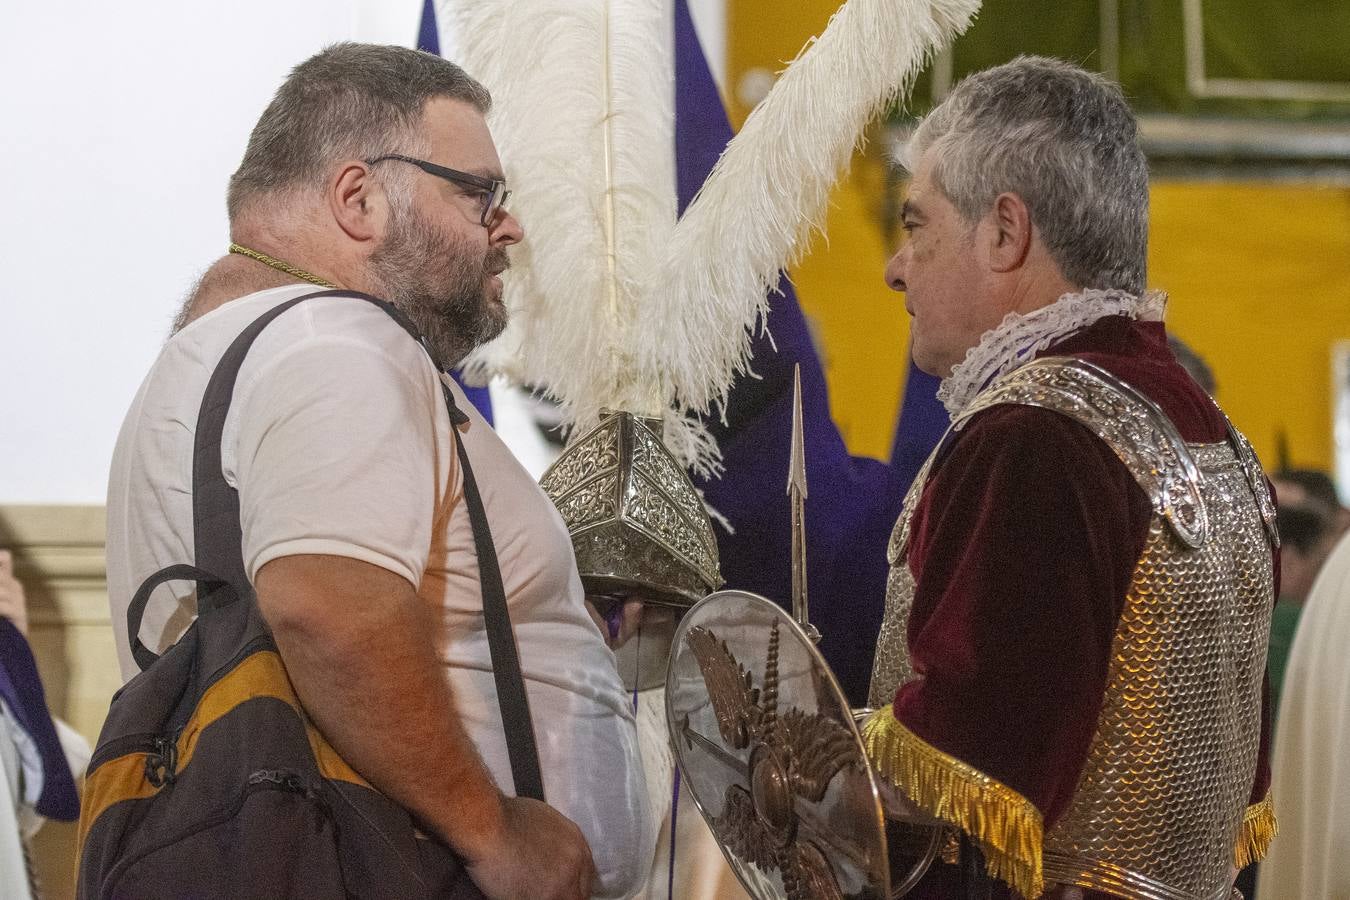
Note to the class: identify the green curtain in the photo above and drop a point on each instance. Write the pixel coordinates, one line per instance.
(1251, 40)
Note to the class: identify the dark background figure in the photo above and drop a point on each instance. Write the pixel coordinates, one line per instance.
(1315, 490)
(1311, 520)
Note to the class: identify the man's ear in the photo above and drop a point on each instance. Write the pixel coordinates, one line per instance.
(1010, 240)
(358, 205)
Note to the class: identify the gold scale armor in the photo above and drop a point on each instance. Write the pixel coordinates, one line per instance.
(1161, 810)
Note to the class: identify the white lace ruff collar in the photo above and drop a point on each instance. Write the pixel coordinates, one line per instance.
(1018, 338)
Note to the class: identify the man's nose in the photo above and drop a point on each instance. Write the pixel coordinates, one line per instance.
(895, 271)
(506, 230)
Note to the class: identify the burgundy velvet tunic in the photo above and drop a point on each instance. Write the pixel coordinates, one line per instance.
(1023, 547)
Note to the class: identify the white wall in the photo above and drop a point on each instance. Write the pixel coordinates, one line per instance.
(121, 123)
(119, 126)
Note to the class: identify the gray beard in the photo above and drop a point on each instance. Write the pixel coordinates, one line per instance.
(437, 281)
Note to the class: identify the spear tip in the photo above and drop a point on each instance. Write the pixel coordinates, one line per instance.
(797, 466)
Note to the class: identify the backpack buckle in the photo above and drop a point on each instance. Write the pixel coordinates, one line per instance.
(161, 764)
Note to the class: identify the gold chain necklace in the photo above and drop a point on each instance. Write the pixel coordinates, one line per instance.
(281, 266)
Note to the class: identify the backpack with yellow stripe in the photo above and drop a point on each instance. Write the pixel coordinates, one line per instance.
(209, 781)
(234, 793)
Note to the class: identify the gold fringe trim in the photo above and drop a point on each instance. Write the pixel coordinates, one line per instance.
(1007, 826)
(1259, 828)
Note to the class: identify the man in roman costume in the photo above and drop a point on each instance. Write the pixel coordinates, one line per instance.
(1070, 670)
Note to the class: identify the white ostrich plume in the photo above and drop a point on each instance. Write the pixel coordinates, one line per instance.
(614, 304)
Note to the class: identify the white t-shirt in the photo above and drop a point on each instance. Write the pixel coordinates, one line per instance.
(339, 443)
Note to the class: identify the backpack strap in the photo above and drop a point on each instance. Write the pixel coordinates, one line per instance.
(511, 697)
(218, 540)
(144, 656)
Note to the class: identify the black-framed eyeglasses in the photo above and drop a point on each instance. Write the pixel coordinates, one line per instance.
(494, 192)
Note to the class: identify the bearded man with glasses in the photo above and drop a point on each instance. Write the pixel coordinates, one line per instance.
(373, 171)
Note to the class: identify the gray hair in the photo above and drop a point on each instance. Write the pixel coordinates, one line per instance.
(350, 101)
(1066, 142)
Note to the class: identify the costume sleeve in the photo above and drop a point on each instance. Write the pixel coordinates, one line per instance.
(1259, 825)
(1024, 546)
(338, 451)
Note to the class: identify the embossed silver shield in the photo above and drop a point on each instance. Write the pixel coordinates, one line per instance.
(636, 522)
(769, 750)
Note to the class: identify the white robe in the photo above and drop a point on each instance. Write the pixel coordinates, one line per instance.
(1310, 857)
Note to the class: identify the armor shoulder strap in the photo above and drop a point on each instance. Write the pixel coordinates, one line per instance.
(1132, 425)
(1256, 479)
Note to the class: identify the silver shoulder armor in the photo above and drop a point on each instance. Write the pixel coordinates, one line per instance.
(1132, 425)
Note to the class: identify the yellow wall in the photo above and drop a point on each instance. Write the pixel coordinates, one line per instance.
(860, 323)
(1259, 275)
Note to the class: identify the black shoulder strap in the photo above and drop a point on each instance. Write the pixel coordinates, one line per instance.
(511, 696)
(218, 539)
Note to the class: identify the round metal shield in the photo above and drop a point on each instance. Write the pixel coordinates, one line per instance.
(768, 748)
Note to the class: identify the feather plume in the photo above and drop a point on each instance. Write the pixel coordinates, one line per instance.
(613, 303)
(583, 115)
(769, 190)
